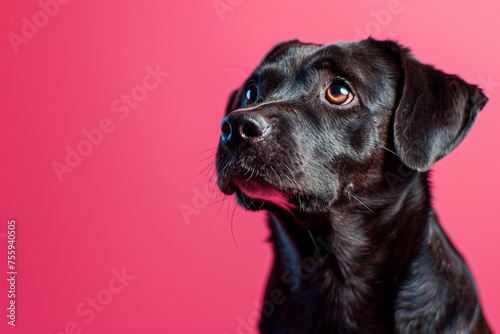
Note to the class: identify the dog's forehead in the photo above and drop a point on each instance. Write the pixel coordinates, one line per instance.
(290, 57)
(291, 68)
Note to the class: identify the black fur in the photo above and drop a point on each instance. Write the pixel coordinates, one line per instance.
(358, 248)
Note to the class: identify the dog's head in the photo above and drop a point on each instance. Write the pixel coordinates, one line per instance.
(315, 125)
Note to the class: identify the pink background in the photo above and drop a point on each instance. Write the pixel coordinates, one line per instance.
(120, 207)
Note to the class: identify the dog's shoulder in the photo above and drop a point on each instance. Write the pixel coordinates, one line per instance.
(436, 293)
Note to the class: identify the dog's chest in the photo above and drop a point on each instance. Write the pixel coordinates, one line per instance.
(315, 300)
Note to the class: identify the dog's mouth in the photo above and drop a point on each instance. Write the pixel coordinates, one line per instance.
(254, 190)
(258, 191)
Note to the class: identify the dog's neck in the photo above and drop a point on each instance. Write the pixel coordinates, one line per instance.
(356, 252)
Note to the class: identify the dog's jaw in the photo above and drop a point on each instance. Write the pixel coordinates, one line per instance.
(262, 192)
(258, 187)
(255, 194)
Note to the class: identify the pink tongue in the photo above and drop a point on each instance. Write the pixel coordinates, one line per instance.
(261, 191)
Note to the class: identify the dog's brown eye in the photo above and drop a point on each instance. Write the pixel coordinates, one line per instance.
(251, 95)
(338, 94)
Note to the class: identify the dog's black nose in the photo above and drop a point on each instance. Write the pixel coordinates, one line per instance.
(243, 126)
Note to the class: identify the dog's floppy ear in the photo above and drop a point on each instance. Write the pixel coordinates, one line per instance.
(234, 98)
(434, 113)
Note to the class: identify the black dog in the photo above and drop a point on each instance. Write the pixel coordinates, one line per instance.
(336, 142)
